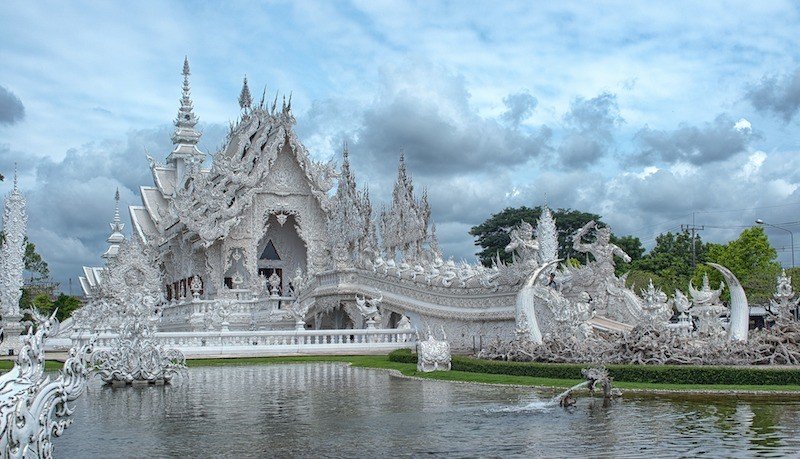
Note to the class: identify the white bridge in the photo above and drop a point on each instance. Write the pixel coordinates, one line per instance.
(265, 343)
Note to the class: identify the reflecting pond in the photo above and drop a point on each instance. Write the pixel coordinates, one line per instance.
(327, 409)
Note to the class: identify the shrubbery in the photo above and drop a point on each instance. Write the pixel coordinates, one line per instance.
(665, 374)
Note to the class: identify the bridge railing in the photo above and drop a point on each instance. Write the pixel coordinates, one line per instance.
(272, 342)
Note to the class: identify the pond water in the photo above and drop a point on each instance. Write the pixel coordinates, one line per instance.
(327, 409)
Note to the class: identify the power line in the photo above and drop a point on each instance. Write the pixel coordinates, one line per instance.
(694, 229)
(747, 209)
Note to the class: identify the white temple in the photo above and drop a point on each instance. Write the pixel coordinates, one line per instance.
(260, 241)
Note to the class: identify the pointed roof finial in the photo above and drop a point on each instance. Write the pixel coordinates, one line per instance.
(116, 225)
(263, 96)
(185, 137)
(345, 151)
(16, 178)
(245, 100)
(116, 237)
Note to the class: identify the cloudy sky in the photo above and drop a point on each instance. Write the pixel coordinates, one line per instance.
(648, 114)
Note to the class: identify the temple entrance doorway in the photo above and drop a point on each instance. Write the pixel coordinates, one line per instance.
(281, 251)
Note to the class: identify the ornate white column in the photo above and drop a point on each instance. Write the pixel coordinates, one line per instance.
(11, 256)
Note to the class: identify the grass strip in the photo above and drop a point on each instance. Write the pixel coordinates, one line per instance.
(677, 375)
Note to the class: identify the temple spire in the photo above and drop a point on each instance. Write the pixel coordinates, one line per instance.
(245, 100)
(185, 137)
(116, 237)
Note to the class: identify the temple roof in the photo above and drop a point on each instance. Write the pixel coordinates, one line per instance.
(155, 203)
(143, 225)
(164, 178)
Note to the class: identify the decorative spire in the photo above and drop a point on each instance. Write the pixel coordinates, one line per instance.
(245, 100)
(186, 119)
(185, 137)
(16, 180)
(116, 237)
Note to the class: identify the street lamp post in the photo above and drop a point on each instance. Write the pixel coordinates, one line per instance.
(791, 235)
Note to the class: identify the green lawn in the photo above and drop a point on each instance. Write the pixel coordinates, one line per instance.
(49, 365)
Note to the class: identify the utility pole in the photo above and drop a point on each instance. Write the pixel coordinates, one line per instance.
(693, 229)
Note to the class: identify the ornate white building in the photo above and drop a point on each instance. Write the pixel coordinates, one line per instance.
(260, 240)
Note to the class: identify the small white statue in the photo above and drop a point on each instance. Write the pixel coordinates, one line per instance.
(369, 309)
(433, 354)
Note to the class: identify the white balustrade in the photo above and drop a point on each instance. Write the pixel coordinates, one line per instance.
(272, 342)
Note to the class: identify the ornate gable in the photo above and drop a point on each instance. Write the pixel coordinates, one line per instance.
(212, 203)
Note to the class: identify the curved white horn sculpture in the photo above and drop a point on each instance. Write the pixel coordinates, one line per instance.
(525, 303)
(740, 311)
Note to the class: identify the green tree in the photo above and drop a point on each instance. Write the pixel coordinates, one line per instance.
(66, 305)
(492, 235)
(34, 263)
(43, 303)
(752, 260)
(669, 264)
(632, 246)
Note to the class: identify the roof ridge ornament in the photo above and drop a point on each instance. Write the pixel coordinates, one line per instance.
(185, 137)
(245, 99)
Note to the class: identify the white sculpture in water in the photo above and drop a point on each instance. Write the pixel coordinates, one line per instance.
(433, 354)
(12, 264)
(33, 408)
(133, 286)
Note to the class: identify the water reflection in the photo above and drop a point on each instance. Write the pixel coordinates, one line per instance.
(334, 410)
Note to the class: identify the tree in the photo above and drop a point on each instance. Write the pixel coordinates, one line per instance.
(34, 263)
(66, 305)
(492, 235)
(669, 264)
(630, 245)
(752, 260)
(43, 303)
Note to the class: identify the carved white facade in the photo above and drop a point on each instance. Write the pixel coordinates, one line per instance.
(257, 241)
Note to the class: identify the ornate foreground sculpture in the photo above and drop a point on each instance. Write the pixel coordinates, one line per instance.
(595, 376)
(32, 407)
(132, 286)
(784, 302)
(12, 264)
(432, 354)
(649, 343)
